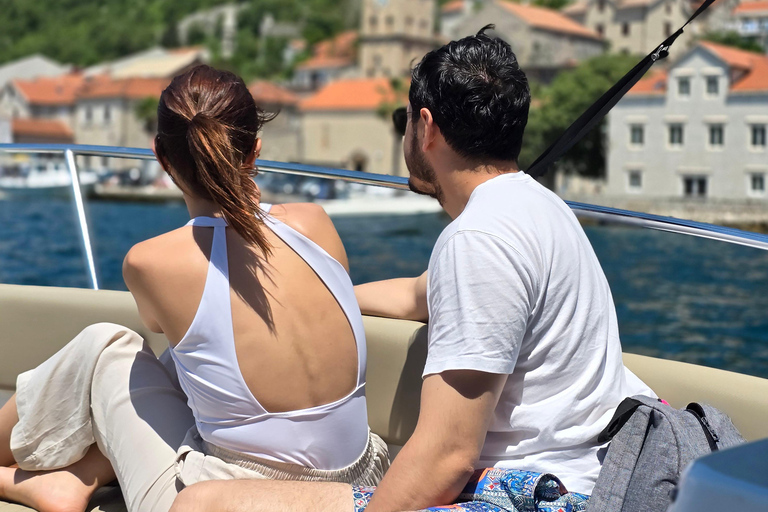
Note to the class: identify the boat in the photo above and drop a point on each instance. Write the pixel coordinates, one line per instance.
(50, 178)
(396, 348)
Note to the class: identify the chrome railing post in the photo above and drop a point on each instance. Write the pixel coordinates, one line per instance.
(70, 157)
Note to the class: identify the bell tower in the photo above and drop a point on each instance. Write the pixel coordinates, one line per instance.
(395, 35)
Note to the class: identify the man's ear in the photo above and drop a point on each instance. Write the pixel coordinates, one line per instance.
(431, 130)
(255, 152)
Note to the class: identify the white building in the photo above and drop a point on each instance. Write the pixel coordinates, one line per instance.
(750, 20)
(697, 130)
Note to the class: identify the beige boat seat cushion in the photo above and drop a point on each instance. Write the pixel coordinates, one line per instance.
(36, 321)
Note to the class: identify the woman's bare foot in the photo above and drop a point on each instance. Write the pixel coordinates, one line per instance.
(64, 490)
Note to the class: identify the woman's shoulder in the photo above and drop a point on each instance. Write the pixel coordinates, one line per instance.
(154, 254)
(313, 222)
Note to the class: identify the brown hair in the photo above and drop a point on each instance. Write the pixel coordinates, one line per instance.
(207, 124)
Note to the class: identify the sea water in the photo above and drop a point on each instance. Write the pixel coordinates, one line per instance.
(677, 297)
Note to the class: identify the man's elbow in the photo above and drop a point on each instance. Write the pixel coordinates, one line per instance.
(459, 466)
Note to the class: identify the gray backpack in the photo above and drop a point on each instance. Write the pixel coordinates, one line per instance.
(651, 444)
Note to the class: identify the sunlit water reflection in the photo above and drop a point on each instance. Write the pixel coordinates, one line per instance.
(676, 296)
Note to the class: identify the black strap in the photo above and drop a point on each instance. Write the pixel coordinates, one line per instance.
(595, 113)
(624, 411)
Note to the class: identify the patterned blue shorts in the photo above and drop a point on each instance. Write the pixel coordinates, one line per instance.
(503, 490)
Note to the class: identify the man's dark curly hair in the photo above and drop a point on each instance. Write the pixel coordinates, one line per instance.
(477, 94)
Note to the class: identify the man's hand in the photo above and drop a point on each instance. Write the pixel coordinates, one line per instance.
(435, 464)
(395, 298)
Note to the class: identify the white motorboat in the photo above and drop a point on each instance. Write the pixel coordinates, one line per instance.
(44, 178)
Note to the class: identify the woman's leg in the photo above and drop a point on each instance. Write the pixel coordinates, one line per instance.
(106, 385)
(8, 419)
(62, 490)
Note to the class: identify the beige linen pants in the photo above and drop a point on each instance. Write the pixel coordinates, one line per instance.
(106, 386)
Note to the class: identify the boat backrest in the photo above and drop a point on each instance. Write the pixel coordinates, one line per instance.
(36, 321)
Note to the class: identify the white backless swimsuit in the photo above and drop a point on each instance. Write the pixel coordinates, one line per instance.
(326, 437)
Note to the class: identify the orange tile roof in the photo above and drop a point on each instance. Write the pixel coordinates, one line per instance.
(326, 62)
(753, 65)
(59, 90)
(750, 7)
(351, 94)
(655, 83)
(548, 19)
(131, 88)
(340, 51)
(265, 92)
(41, 128)
(452, 6)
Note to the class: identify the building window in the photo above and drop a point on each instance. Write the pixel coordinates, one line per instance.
(373, 22)
(668, 7)
(716, 135)
(694, 186)
(390, 21)
(758, 136)
(635, 180)
(676, 134)
(409, 22)
(667, 29)
(684, 86)
(637, 135)
(88, 114)
(600, 29)
(107, 114)
(600, 5)
(757, 184)
(625, 29)
(713, 86)
(424, 24)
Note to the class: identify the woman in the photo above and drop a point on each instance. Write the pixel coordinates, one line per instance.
(265, 332)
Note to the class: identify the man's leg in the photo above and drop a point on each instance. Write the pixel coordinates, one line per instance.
(265, 496)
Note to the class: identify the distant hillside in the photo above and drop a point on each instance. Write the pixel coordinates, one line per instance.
(84, 32)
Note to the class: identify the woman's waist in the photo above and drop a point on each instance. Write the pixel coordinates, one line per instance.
(320, 438)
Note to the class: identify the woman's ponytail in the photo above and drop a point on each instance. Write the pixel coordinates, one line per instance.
(207, 129)
(227, 179)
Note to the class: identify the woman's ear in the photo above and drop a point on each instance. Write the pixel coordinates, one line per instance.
(255, 152)
(163, 164)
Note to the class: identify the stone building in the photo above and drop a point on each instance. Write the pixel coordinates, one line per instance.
(281, 137)
(545, 41)
(635, 26)
(395, 34)
(106, 114)
(697, 130)
(331, 60)
(342, 127)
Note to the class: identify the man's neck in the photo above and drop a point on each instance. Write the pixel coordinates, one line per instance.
(459, 183)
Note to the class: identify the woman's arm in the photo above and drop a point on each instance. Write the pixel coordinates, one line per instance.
(404, 298)
(133, 275)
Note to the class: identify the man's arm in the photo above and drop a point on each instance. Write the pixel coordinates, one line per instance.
(395, 298)
(437, 461)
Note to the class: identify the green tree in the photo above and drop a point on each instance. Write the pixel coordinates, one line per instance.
(733, 39)
(556, 106)
(146, 112)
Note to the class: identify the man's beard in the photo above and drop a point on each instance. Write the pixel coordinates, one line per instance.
(420, 170)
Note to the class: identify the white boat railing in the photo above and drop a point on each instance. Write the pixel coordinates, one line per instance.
(596, 212)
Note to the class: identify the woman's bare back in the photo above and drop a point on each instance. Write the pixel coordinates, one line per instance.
(294, 344)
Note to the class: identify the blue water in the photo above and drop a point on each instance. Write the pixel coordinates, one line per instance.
(677, 297)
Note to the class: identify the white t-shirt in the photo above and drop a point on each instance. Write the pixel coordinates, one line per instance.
(515, 288)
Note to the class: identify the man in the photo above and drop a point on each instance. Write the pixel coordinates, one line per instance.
(524, 362)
